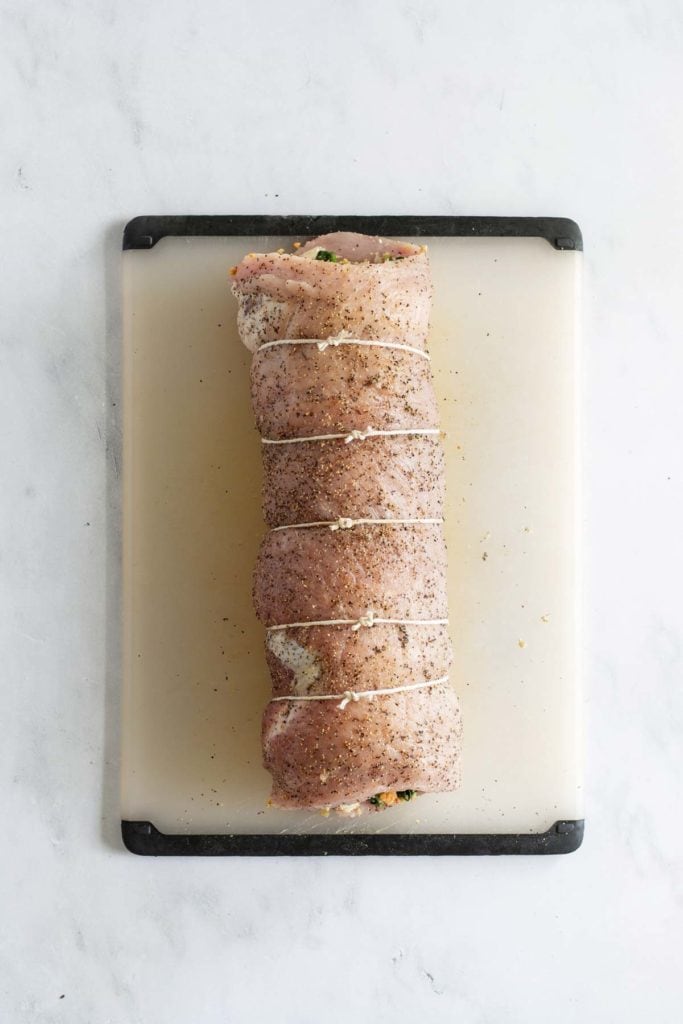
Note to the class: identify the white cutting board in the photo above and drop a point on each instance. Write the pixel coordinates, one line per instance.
(504, 350)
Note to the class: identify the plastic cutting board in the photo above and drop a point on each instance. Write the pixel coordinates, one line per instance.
(504, 350)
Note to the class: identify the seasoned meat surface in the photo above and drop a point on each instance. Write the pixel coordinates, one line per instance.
(284, 295)
(298, 390)
(321, 756)
(324, 574)
(391, 477)
(397, 571)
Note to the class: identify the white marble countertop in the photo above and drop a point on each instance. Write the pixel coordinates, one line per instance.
(110, 110)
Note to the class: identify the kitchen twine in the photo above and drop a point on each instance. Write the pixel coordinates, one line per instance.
(353, 696)
(368, 621)
(352, 435)
(323, 344)
(344, 523)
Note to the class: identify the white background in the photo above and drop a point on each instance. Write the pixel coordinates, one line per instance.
(114, 109)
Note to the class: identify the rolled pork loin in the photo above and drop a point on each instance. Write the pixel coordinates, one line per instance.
(350, 581)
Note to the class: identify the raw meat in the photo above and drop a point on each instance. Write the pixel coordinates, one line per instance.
(323, 405)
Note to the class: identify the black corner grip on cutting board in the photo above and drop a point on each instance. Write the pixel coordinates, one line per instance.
(143, 838)
(145, 232)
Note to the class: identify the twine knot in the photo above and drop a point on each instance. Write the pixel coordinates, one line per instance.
(342, 524)
(365, 620)
(358, 435)
(348, 695)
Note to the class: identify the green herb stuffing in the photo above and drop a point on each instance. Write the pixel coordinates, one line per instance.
(405, 794)
(329, 257)
(375, 800)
